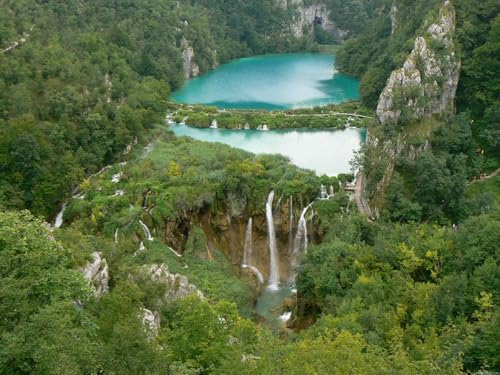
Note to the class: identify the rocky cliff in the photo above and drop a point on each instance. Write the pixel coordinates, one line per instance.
(427, 82)
(309, 17)
(425, 86)
(191, 69)
(96, 272)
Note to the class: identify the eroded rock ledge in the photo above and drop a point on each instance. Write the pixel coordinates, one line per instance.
(427, 82)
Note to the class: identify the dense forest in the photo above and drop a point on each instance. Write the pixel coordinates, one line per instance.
(141, 274)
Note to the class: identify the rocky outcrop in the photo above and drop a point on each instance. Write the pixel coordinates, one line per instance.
(191, 69)
(427, 82)
(150, 322)
(96, 272)
(309, 17)
(176, 286)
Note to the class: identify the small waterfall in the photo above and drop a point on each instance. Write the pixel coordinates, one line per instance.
(257, 273)
(322, 193)
(116, 235)
(213, 125)
(290, 226)
(60, 217)
(285, 317)
(274, 274)
(247, 252)
(331, 190)
(147, 233)
(300, 242)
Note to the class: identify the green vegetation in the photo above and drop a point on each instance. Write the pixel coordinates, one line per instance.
(415, 292)
(91, 77)
(331, 116)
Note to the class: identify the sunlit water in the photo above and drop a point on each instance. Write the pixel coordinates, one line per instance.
(323, 151)
(272, 82)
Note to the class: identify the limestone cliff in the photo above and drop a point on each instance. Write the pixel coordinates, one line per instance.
(96, 272)
(191, 69)
(425, 86)
(427, 82)
(175, 286)
(308, 17)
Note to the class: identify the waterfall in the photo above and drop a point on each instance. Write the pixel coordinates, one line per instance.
(60, 217)
(274, 274)
(300, 239)
(322, 193)
(257, 273)
(290, 226)
(116, 235)
(247, 251)
(331, 190)
(147, 233)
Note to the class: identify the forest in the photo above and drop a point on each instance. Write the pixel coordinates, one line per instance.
(153, 218)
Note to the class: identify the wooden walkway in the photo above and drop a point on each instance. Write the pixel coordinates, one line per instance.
(361, 203)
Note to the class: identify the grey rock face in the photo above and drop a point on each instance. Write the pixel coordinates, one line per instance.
(316, 15)
(176, 286)
(191, 69)
(150, 322)
(97, 274)
(427, 82)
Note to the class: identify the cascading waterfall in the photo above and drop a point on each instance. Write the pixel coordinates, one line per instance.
(300, 242)
(60, 216)
(116, 235)
(323, 194)
(290, 226)
(247, 253)
(147, 233)
(274, 274)
(331, 190)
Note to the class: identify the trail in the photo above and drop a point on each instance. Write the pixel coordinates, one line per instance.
(19, 42)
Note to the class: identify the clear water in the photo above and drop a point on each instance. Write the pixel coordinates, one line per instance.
(323, 151)
(272, 82)
(269, 304)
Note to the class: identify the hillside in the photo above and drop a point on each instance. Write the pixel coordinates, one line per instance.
(125, 249)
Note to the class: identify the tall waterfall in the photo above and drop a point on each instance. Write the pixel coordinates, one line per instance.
(247, 252)
(274, 274)
(60, 217)
(300, 242)
(147, 233)
(116, 235)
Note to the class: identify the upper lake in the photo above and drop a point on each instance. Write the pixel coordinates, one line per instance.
(271, 82)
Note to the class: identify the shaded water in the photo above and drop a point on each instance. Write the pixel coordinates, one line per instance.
(272, 82)
(269, 304)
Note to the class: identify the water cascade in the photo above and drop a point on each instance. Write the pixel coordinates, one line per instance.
(331, 190)
(290, 226)
(274, 274)
(60, 216)
(323, 194)
(213, 125)
(147, 233)
(247, 252)
(300, 242)
(116, 235)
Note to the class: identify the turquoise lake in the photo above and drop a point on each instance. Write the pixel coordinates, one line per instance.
(323, 151)
(271, 82)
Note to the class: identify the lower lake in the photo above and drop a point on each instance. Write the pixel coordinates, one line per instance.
(323, 151)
